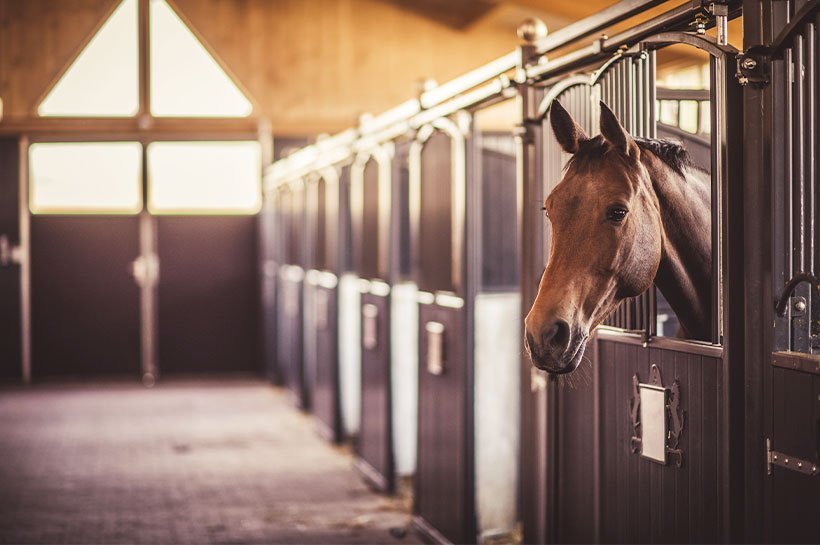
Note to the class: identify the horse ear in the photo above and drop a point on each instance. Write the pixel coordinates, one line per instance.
(615, 134)
(568, 133)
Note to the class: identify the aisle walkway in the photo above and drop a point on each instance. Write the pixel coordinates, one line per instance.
(186, 462)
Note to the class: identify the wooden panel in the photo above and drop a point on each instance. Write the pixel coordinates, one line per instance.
(10, 346)
(796, 432)
(85, 303)
(444, 485)
(375, 445)
(39, 38)
(499, 228)
(268, 235)
(435, 229)
(576, 458)
(368, 249)
(207, 294)
(325, 399)
(642, 501)
(289, 336)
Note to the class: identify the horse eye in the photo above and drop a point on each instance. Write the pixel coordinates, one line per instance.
(616, 213)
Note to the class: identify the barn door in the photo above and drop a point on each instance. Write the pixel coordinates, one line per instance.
(793, 407)
(86, 260)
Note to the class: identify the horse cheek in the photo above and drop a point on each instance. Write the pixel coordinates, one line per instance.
(642, 263)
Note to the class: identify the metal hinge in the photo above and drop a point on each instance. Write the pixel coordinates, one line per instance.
(753, 67)
(774, 458)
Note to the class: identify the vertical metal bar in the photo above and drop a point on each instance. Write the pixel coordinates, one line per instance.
(144, 47)
(25, 262)
(716, 177)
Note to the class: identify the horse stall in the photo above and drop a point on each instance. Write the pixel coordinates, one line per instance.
(321, 334)
(602, 467)
(464, 250)
(270, 253)
(783, 249)
(370, 212)
(290, 303)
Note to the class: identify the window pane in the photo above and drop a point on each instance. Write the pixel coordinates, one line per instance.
(204, 177)
(90, 178)
(185, 78)
(102, 80)
(689, 113)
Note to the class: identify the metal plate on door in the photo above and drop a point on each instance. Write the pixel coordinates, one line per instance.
(320, 306)
(370, 326)
(435, 348)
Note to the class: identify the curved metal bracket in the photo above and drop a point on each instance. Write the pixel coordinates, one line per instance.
(783, 301)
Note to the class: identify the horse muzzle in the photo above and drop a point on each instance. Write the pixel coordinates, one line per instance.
(557, 349)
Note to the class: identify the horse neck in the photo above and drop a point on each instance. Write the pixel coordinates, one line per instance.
(684, 276)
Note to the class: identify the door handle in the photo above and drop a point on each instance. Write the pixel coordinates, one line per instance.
(9, 253)
(145, 270)
(435, 348)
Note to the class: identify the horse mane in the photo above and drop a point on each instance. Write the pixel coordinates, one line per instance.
(670, 152)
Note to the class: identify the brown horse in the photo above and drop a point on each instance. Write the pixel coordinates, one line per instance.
(628, 212)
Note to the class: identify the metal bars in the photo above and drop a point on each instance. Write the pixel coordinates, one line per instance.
(796, 190)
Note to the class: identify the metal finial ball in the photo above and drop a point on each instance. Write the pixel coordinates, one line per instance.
(532, 29)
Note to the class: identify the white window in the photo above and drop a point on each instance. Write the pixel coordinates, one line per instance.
(85, 178)
(204, 177)
(103, 79)
(186, 81)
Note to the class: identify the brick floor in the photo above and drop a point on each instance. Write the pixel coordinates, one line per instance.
(219, 461)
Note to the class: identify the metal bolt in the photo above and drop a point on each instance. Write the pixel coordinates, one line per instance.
(748, 63)
(800, 306)
(799, 464)
(786, 461)
(775, 456)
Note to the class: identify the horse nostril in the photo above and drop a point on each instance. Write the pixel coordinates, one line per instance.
(530, 341)
(557, 338)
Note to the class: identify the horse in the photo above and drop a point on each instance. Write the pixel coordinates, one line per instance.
(628, 212)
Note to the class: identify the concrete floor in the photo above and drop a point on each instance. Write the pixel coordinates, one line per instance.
(186, 462)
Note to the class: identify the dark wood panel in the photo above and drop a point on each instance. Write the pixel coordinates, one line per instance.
(374, 448)
(10, 345)
(267, 240)
(85, 302)
(444, 480)
(207, 294)
(576, 458)
(499, 228)
(290, 336)
(795, 432)
(642, 501)
(368, 249)
(435, 229)
(326, 400)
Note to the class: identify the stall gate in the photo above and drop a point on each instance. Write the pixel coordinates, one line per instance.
(290, 322)
(370, 203)
(321, 302)
(783, 148)
(269, 251)
(462, 184)
(595, 483)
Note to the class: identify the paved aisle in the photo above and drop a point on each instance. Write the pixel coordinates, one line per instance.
(186, 462)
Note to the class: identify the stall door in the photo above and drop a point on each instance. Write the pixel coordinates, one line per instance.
(84, 199)
(10, 316)
(207, 294)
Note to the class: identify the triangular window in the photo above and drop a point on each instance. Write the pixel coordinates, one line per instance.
(103, 79)
(185, 79)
